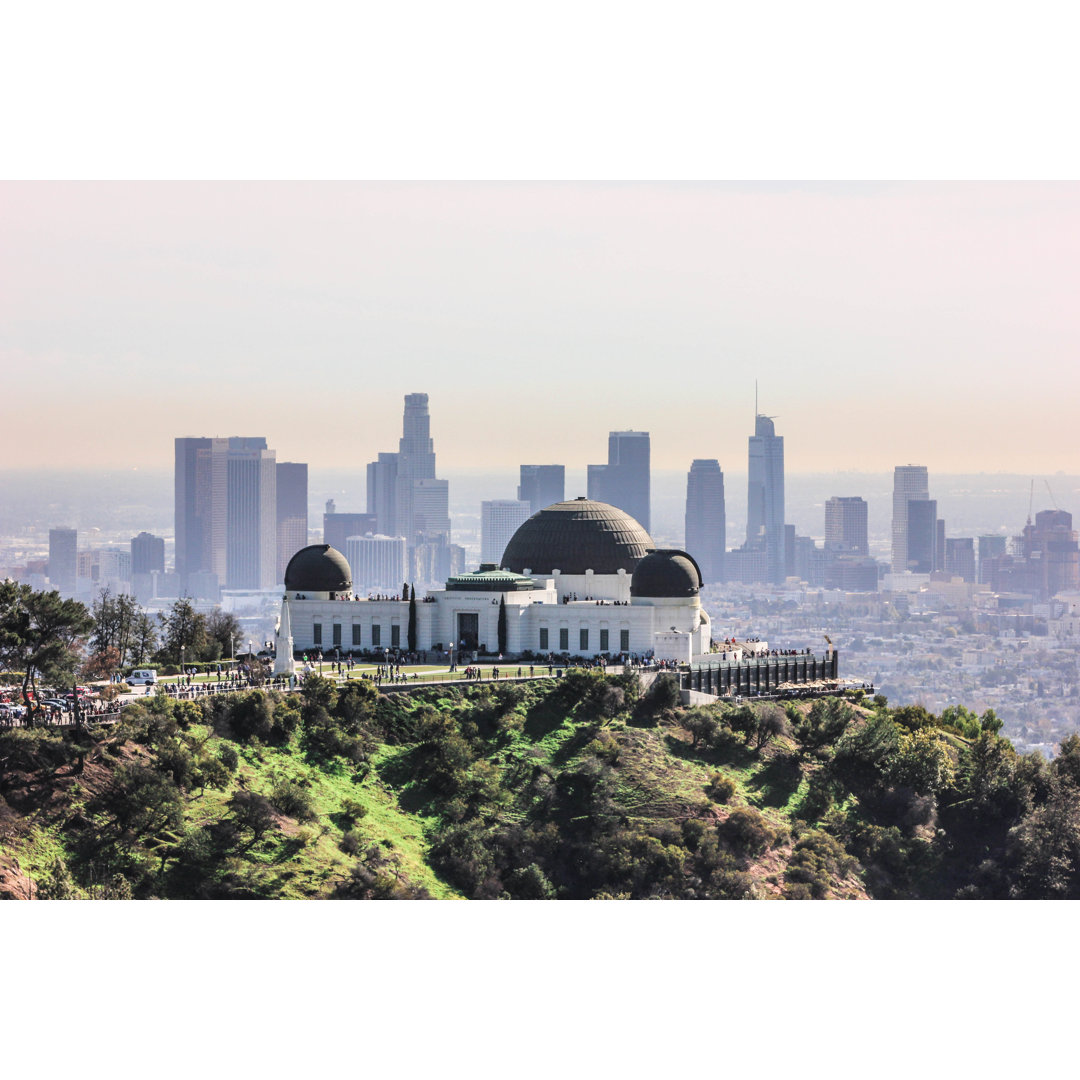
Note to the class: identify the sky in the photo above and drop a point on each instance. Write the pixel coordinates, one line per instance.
(883, 323)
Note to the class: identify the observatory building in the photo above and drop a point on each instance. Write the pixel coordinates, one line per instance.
(580, 577)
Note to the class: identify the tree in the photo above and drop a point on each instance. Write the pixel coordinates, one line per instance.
(410, 636)
(144, 643)
(183, 632)
(222, 629)
(502, 624)
(701, 723)
(103, 664)
(40, 632)
(771, 724)
(117, 623)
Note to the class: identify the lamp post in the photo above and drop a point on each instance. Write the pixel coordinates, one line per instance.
(181, 680)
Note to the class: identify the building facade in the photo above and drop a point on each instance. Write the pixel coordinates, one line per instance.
(910, 483)
(846, 526)
(292, 513)
(541, 486)
(626, 478)
(499, 520)
(765, 496)
(705, 535)
(580, 578)
(64, 560)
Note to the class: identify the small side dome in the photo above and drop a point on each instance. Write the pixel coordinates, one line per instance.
(669, 574)
(318, 569)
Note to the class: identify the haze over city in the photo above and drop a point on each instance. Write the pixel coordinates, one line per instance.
(883, 323)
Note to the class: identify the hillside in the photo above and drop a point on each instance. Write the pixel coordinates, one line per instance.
(571, 788)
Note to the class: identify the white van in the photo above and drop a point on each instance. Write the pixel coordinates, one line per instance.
(142, 677)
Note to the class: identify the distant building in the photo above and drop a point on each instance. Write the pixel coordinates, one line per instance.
(765, 497)
(64, 560)
(910, 483)
(292, 512)
(705, 537)
(147, 554)
(377, 563)
(338, 527)
(922, 536)
(499, 520)
(625, 480)
(541, 486)
(960, 557)
(846, 526)
(225, 513)
(990, 547)
(404, 494)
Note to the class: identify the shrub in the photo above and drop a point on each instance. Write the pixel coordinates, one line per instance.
(746, 831)
(350, 843)
(293, 800)
(720, 787)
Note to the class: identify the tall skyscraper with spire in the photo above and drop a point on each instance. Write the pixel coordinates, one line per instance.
(765, 495)
(706, 521)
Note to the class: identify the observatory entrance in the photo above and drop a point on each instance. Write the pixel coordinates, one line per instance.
(468, 630)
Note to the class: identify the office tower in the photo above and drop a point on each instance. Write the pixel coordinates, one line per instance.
(922, 536)
(624, 480)
(403, 492)
(147, 554)
(499, 520)
(292, 512)
(63, 560)
(382, 493)
(845, 526)
(337, 528)
(960, 557)
(377, 563)
(1050, 548)
(542, 486)
(765, 495)
(226, 514)
(706, 523)
(939, 546)
(251, 515)
(990, 547)
(910, 482)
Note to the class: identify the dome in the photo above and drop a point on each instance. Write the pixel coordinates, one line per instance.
(666, 574)
(576, 536)
(318, 569)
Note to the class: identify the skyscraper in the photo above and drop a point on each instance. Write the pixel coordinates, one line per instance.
(846, 526)
(624, 480)
(765, 495)
(251, 515)
(542, 486)
(292, 512)
(147, 554)
(922, 536)
(499, 520)
(706, 521)
(404, 494)
(226, 514)
(63, 560)
(910, 482)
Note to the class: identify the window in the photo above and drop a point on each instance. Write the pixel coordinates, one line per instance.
(356, 634)
(543, 637)
(395, 635)
(603, 641)
(584, 641)
(564, 639)
(337, 633)
(316, 633)
(624, 641)
(376, 636)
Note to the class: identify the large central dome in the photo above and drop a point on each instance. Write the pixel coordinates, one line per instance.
(576, 536)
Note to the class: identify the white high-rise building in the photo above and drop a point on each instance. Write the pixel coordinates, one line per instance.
(499, 520)
(910, 482)
(377, 563)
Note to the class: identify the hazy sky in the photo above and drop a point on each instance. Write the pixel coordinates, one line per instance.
(885, 324)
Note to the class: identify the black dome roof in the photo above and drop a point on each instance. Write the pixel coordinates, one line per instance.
(576, 536)
(667, 574)
(318, 568)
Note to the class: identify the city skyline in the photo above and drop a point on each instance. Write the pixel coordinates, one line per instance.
(219, 299)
